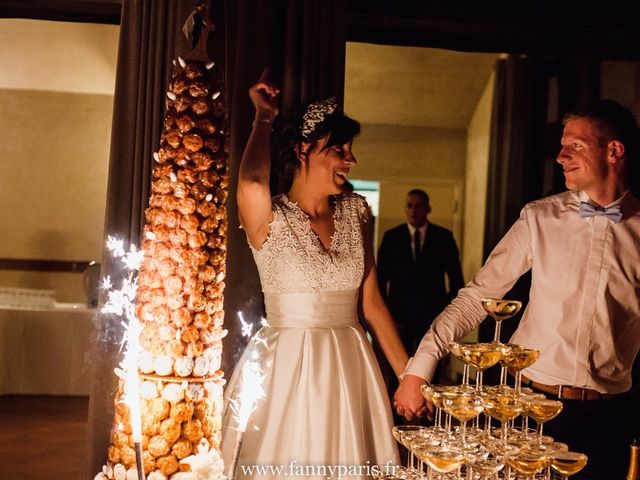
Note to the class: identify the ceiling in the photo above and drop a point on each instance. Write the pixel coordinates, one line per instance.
(414, 86)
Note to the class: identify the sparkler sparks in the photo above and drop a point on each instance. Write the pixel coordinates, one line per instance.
(246, 327)
(121, 302)
(251, 390)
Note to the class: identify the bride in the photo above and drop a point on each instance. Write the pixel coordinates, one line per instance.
(325, 412)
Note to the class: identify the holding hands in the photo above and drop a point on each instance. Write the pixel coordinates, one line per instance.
(408, 400)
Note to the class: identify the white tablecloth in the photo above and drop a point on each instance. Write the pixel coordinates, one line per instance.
(45, 352)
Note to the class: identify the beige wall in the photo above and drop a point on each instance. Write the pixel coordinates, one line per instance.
(53, 173)
(476, 168)
(56, 98)
(53, 179)
(58, 56)
(385, 151)
(404, 157)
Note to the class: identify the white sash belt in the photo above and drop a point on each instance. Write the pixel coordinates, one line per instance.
(312, 310)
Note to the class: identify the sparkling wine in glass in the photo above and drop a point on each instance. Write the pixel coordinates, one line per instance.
(487, 465)
(434, 394)
(463, 407)
(518, 359)
(528, 463)
(568, 463)
(503, 408)
(456, 350)
(542, 410)
(417, 444)
(506, 349)
(481, 356)
(437, 394)
(442, 459)
(499, 310)
(403, 434)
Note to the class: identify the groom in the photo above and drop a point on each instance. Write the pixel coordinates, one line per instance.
(584, 308)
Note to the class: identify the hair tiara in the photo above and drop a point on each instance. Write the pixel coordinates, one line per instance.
(316, 113)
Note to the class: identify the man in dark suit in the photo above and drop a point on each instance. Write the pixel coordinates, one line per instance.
(413, 260)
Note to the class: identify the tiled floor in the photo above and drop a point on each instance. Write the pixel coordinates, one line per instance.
(42, 437)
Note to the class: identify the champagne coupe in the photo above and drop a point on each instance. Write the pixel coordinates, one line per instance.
(519, 359)
(568, 463)
(500, 309)
(506, 349)
(442, 459)
(419, 449)
(456, 350)
(542, 410)
(504, 408)
(481, 356)
(525, 397)
(463, 407)
(432, 393)
(418, 444)
(436, 394)
(404, 434)
(487, 465)
(406, 438)
(528, 463)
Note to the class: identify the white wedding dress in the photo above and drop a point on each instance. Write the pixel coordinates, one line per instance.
(325, 404)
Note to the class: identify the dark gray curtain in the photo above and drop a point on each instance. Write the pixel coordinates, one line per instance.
(302, 41)
(510, 145)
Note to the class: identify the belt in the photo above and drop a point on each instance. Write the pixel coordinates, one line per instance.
(567, 392)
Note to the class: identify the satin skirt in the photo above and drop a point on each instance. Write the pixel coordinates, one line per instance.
(325, 412)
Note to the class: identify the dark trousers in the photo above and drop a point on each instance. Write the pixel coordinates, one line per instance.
(601, 429)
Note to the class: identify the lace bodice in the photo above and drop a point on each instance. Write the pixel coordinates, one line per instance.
(293, 260)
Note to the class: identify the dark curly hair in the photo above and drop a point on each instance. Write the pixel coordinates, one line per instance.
(287, 134)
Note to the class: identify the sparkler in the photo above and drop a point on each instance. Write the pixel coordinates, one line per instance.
(121, 302)
(251, 390)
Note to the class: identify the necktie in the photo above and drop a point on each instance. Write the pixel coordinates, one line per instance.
(416, 244)
(612, 213)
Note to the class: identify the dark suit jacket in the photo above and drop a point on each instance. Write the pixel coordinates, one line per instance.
(415, 291)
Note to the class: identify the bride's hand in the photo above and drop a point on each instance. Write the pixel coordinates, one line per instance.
(264, 95)
(408, 400)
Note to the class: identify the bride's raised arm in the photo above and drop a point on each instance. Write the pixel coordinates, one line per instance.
(254, 195)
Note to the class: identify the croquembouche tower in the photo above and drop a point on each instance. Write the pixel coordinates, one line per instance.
(180, 284)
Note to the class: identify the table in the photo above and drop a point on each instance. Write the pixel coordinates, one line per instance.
(46, 352)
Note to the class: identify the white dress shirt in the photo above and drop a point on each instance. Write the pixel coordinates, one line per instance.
(584, 310)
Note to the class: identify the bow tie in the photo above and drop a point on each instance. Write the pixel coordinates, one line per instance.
(612, 213)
